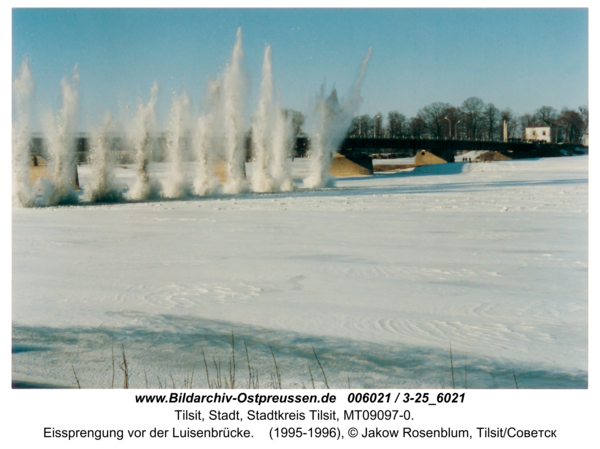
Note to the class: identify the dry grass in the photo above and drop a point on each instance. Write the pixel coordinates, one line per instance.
(220, 378)
(226, 379)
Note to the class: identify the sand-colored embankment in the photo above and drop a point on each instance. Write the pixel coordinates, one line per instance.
(342, 166)
(490, 156)
(40, 168)
(424, 157)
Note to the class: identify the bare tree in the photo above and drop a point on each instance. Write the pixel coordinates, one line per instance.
(353, 129)
(417, 127)
(585, 116)
(546, 113)
(396, 124)
(573, 125)
(491, 116)
(362, 126)
(365, 125)
(472, 109)
(434, 116)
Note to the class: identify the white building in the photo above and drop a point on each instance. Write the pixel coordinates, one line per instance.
(543, 130)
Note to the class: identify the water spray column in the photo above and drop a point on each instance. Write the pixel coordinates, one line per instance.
(23, 91)
(203, 137)
(283, 143)
(102, 188)
(262, 129)
(175, 186)
(323, 140)
(328, 125)
(271, 138)
(203, 184)
(143, 122)
(60, 137)
(234, 87)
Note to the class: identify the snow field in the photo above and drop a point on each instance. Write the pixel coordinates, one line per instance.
(380, 274)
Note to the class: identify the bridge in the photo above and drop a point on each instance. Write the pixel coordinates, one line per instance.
(361, 147)
(447, 148)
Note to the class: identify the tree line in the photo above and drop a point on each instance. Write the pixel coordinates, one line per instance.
(474, 119)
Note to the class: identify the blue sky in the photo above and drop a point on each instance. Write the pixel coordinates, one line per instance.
(517, 58)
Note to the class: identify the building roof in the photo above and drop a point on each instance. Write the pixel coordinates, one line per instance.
(543, 124)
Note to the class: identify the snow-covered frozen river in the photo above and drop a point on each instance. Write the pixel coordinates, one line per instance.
(380, 274)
